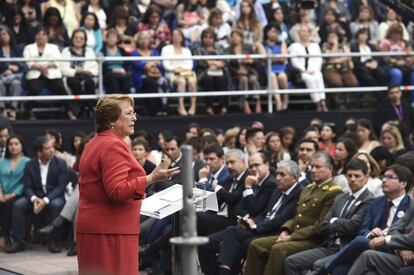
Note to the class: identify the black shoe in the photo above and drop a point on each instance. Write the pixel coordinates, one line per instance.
(72, 251)
(14, 247)
(54, 248)
(155, 269)
(47, 229)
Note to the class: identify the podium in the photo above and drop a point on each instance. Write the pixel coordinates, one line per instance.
(170, 201)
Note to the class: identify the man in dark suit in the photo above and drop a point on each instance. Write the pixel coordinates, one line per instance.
(215, 170)
(238, 197)
(231, 244)
(45, 179)
(382, 213)
(267, 255)
(396, 109)
(390, 252)
(342, 222)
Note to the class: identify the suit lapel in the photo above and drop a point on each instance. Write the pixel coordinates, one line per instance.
(402, 207)
(379, 209)
(357, 203)
(50, 171)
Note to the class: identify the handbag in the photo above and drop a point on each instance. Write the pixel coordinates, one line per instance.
(215, 72)
(153, 72)
(294, 75)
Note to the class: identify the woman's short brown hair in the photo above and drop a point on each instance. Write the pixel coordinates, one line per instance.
(107, 110)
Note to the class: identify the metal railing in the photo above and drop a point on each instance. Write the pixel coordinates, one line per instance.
(269, 91)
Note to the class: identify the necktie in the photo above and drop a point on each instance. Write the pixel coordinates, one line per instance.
(233, 185)
(384, 215)
(272, 213)
(346, 206)
(209, 183)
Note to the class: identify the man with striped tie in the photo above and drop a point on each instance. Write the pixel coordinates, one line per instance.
(342, 222)
(231, 244)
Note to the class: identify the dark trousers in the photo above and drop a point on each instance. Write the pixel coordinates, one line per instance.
(153, 85)
(408, 270)
(370, 77)
(6, 217)
(209, 223)
(227, 247)
(117, 83)
(23, 208)
(343, 260)
(82, 85)
(35, 86)
(214, 83)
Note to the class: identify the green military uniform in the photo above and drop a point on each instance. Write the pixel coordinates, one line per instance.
(266, 257)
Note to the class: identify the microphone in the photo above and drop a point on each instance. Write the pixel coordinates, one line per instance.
(165, 152)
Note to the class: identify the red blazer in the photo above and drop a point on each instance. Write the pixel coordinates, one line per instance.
(110, 181)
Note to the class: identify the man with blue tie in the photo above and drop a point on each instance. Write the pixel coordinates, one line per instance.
(215, 170)
(231, 244)
(383, 212)
(342, 222)
(229, 194)
(394, 249)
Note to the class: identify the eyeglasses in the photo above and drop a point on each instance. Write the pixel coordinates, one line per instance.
(389, 177)
(131, 114)
(255, 165)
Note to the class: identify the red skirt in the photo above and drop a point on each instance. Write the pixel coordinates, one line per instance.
(107, 254)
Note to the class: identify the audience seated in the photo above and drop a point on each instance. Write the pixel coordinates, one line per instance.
(80, 76)
(44, 74)
(231, 244)
(45, 179)
(267, 255)
(229, 194)
(309, 68)
(11, 73)
(180, 73)
(341, 224)
(90, 23)
(11, 184)
(147, 77)
(383, 212)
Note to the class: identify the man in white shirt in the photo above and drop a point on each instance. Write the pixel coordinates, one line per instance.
(45, 179)
(342, 222)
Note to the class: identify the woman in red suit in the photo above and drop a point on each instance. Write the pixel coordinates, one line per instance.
(111, 185)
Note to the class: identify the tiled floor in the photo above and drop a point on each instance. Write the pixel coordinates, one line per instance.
(39, 261)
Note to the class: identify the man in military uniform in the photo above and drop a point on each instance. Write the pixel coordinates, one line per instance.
(267, 255)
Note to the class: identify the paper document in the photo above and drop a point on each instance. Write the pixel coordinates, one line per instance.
(170, 200)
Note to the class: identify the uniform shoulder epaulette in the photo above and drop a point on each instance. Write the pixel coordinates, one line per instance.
(311, 185)
(335, 187)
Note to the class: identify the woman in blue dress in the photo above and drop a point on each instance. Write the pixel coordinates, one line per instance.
(11, 184)
(275, 45)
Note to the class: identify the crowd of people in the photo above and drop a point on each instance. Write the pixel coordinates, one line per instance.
(284, 197)
(66, 28)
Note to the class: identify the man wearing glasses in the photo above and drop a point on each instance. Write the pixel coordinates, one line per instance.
(267, 255)
(383, 212)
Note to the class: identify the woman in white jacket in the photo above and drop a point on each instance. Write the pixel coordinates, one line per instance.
(180, 72)
(46, 73)
(80, 76)
(310, 67)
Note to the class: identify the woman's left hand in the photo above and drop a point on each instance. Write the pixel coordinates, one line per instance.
(162, 171)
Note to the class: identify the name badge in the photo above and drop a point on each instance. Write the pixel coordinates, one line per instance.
(400, 214)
